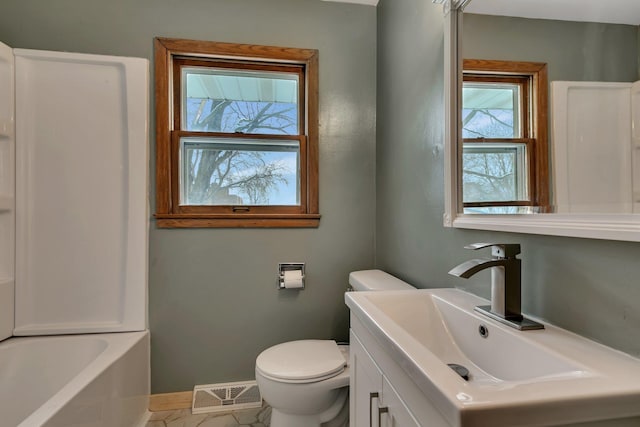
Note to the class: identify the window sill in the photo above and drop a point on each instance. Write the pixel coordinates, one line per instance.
(237, 221)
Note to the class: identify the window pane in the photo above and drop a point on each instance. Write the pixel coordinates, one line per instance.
(239, 172)
(221, 100)
(491, 110)
(494, 173)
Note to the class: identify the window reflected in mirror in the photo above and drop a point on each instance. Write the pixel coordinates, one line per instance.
(504, 151)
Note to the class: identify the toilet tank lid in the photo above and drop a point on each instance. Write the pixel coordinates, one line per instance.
(376, 280)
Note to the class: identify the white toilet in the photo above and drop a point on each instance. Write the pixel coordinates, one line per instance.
(307, 382)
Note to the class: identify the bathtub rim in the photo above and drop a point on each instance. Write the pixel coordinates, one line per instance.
(118, 343)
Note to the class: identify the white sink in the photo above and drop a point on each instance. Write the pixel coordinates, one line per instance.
(515, 378)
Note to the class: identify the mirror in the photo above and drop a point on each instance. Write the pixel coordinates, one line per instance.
(579, 43)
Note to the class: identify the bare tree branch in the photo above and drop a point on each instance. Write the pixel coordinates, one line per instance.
(213, 173)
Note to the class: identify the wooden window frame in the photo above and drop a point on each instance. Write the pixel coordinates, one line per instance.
(533, 78)
(170, 54)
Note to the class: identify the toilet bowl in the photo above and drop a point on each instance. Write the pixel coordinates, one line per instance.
(306, 382)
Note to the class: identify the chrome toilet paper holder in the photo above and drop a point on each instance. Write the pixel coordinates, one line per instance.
(290, 266)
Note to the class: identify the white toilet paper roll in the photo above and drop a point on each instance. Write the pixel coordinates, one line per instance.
(293, 279)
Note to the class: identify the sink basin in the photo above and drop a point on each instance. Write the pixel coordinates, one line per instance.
(515, 378)
(454, 335)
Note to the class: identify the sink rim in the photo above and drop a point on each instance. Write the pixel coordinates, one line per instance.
(614, 387)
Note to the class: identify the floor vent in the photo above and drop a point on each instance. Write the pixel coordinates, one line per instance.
(226, 397)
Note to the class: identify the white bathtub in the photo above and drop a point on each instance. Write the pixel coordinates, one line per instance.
(93, 380)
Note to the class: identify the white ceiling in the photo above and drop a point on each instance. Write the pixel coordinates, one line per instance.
(610, 11)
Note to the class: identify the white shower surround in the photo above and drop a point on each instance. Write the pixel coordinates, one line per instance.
(81, 185)
(7, 191)
(75, 150)
(596, 147)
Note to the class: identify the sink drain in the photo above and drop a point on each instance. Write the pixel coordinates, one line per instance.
(460, 370)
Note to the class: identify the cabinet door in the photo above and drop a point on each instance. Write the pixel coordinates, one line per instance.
(397, 414)
(365, 387)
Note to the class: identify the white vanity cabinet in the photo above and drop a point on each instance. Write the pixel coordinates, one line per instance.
(402, 342)
(397, 415)
(374, 401)
(381, 393)
(365, 385)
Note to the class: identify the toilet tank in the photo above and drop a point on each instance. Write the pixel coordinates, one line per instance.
(376, 280)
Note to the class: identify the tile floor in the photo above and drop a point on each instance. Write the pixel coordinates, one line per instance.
(258, 417)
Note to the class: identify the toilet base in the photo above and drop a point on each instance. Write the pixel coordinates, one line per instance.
(280, 419)
(336, 416)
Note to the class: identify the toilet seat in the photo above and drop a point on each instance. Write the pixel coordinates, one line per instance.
(303, 361)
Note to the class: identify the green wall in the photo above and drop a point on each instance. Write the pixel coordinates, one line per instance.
(213, 303)
(574, 51)
(588, 286)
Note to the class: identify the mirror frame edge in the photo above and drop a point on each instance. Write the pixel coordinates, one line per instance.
(625, 227)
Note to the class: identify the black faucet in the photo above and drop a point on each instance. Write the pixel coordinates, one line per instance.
(505, 283)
